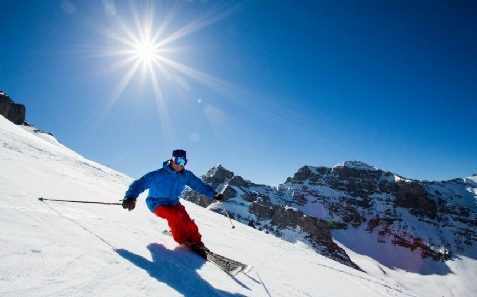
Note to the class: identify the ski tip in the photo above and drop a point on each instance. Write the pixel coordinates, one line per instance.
(243, 269)
(247, 269)
(41, 198)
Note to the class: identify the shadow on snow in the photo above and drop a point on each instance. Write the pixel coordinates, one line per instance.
(176, 269)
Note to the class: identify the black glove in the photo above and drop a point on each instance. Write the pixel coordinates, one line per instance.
(219, 197)
(129, 203)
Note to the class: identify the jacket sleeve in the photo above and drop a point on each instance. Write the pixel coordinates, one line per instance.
(138, 186)
(199, 186)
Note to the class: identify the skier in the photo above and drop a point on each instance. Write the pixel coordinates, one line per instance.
(165, 185)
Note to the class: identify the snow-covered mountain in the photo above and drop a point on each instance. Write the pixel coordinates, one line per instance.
(421, 227)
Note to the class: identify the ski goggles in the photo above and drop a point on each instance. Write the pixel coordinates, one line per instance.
(180, 161)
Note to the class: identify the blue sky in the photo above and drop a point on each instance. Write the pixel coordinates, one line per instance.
(261, 87)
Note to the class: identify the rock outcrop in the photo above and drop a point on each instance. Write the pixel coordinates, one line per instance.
(14, 112)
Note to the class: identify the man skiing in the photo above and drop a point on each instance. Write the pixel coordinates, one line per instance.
(165, 185)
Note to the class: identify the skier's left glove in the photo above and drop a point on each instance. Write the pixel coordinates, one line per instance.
(219, 197)
(129, 203)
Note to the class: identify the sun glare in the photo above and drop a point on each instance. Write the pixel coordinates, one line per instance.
(146, 52)
(142, 41)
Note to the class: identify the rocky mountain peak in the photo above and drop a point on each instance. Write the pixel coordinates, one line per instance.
(356, 165)
(435, 219)
(217, 175)
(309, 173)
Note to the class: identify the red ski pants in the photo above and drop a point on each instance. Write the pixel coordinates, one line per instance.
(182, 227)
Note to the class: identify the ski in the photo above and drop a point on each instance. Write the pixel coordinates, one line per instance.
(228, 265)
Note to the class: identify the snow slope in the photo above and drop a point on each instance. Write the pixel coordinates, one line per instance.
(74, 249)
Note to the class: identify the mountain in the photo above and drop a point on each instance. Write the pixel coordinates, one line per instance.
(77, 249)
(420, 227)
(271, 209)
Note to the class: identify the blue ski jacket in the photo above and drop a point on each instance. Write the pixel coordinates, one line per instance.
(165, 185)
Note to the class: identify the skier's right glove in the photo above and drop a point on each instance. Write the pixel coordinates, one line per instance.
(219, 197)
(129, 203)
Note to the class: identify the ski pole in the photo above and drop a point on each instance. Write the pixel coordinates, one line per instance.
(80, 201)
(233, 227)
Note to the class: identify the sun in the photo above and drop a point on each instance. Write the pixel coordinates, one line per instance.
(146, 52)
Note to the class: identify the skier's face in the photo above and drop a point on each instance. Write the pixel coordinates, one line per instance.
(177, 167)
(179, 160)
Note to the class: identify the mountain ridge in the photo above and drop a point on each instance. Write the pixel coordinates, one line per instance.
(433, 219)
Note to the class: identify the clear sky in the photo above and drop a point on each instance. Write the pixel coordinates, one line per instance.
(261, 87)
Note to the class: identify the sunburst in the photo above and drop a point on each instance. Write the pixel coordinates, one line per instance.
(144, 47)
(144, 44)
(139, 43)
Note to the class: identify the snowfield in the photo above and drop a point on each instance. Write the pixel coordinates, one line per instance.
(74, 249)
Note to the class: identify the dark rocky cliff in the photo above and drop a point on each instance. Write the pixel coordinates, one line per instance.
(14, 112)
